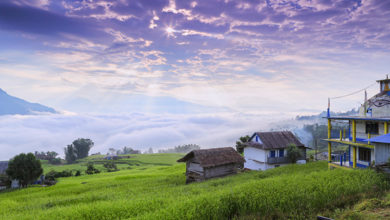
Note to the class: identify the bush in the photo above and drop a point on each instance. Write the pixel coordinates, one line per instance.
(53, 175)
(78, 173)
(293, 153)
(91, 169)
(110, 166)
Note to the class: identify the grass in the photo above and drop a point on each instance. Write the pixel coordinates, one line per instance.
(156, 189)
(135, 161)
(370, 208)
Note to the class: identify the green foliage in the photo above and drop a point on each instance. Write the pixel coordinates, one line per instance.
(241, 143)
(110, 166)
(53, 175)
(5, 180)
(25, 168)
(82, 146)
(50, 155)
(128, 150)
(293, 153)
(70, 154)
(91, 169)
(78, 149)
(78, 173)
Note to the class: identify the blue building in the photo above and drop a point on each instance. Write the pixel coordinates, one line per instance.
(368, 136)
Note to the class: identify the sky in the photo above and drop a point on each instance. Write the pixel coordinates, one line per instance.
(97, 61)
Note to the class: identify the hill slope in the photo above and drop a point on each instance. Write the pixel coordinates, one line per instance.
(144, 190)
(10, 105)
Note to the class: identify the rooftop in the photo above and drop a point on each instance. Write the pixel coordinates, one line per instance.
(274, 140)
(214, 156)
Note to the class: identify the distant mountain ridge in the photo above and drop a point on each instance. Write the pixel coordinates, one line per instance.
(10, 105)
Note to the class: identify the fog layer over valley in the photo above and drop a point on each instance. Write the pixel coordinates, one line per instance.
(52, 132)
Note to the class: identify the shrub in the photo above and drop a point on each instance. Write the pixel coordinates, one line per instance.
(52, 175)
(91, 169)
(293, 153)
(110, 166)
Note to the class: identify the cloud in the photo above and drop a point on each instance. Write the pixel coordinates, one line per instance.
(37, 21)
(53, 132)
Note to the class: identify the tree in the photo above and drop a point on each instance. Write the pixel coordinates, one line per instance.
(82, 146)
(241, 143)
(111, 151)
(293, 153)
(25, 168)
(70, 154)
(51, 155)
(78, 149)
(181, 149)
(128, 150)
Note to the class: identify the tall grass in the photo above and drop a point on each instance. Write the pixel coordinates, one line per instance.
(159, 192)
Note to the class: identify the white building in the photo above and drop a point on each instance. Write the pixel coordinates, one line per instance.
(266, 150)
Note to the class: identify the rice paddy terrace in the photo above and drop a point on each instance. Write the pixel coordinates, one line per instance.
(153, 187)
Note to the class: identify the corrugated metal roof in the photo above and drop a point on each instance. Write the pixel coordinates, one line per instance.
(357, 118)
(380, 139)
(214, 156)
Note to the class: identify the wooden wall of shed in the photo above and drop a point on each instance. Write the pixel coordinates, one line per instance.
(222, 170)
(194, 172)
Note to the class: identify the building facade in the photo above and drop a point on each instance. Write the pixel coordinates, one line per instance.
(368, 137)
(266, 150)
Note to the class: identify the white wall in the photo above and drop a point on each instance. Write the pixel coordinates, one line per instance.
(252, 155)
(255, 153)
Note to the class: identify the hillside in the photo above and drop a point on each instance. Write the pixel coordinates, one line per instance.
(153, 187)
(11, 105)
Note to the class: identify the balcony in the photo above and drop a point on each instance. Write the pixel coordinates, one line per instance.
(276, 160)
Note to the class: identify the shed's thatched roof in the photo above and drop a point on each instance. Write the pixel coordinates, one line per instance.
(274, 140)
(214, 156)
(3, 166)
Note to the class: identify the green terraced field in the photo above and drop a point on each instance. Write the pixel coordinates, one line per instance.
(156, 189)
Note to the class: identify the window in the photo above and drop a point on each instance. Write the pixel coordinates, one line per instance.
(272, 153)
(364, 154)
(281, 153)
(372, 128)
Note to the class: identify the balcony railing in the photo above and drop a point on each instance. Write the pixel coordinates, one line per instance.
(274, 160)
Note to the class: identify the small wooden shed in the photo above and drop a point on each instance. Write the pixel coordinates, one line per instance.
(209, 163)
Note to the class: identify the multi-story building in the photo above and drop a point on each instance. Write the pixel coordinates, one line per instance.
(368, 137)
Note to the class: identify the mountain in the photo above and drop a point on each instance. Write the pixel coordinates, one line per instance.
(10, 105)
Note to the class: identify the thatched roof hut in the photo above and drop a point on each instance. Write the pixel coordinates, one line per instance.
(209, 163)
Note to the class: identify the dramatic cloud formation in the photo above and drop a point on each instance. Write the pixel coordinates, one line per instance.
(193, 57)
